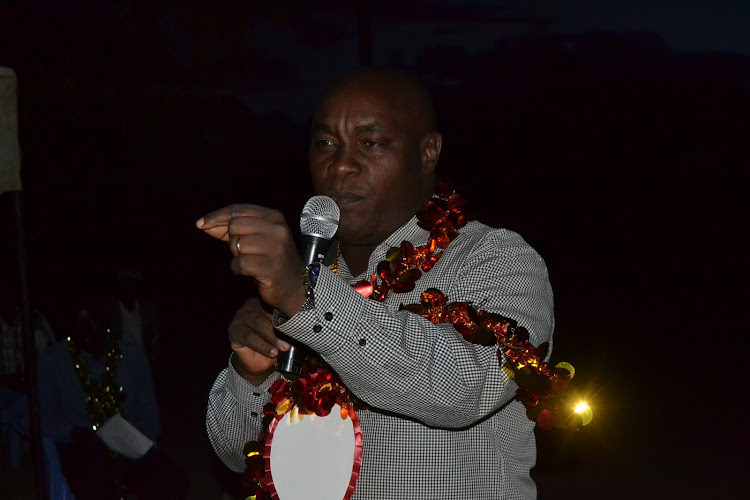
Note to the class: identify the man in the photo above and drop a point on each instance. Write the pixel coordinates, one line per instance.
(442, 421)
(132, 316)
(12, 362)
(87, 367)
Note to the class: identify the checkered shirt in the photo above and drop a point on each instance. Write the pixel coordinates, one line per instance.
(443, 421)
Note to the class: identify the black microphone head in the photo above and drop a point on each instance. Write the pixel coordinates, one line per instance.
(320, 217)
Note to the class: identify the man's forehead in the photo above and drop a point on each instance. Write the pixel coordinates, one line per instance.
(370, 127)
(391, 97)
(358, 96)
(366, 111)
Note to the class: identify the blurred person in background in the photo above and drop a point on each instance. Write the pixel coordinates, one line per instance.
(86, 380)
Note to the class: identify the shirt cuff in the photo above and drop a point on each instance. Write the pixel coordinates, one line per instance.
(333, 318)
(254, 398)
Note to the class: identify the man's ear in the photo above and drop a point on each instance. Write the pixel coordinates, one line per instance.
(430, 147)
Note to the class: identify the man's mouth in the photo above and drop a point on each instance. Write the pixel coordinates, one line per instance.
(344, 200)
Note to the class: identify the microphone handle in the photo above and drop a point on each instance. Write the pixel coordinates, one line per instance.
(312, 249)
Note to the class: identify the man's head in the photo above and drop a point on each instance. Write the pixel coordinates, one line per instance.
(129, 286)
(89, 327)
(374, 149)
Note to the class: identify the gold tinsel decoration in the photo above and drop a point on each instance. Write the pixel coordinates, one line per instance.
(102, 399)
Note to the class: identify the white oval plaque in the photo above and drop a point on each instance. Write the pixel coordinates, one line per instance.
(316, 458)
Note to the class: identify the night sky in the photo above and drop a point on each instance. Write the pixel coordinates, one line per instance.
(611, 135)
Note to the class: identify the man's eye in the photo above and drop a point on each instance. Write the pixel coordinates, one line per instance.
(324, 143)
(370, 144)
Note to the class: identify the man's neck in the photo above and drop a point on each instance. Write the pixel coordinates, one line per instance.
(129, 304)
(357, 257)
(95, 349)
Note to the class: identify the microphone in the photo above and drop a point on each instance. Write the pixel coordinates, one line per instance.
(318, 223)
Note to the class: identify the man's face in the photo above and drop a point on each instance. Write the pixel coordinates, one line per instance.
(365, 153)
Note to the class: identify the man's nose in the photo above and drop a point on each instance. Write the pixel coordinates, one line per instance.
(345, 161)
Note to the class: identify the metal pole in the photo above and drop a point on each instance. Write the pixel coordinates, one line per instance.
(29, 345)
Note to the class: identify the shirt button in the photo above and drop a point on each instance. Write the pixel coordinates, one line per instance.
(362, 342)
(256, 394)
(317, 328)
(328, 316)
(254, 414)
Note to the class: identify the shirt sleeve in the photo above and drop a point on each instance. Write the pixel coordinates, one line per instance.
(235, 415)
(399, 362)
(43, 334)
(144, 407)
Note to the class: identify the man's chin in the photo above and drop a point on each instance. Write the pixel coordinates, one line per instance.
(354, 215)
(353, 233)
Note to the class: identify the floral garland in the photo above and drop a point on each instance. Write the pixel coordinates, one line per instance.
(540, 388)
(102, 399)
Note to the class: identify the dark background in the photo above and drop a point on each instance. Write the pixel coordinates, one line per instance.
(613, 138)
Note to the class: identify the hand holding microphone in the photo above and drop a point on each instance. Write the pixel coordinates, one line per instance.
(264, 249)
(318, 224)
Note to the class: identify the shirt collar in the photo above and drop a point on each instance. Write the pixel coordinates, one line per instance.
(410, 232)
(136, 310)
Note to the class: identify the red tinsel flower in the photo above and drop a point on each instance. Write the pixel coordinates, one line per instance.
(443, 189)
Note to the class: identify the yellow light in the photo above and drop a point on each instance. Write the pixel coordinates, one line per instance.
(584, 410)
(253, 453)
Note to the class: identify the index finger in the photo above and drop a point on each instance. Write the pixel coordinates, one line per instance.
(216, 223)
